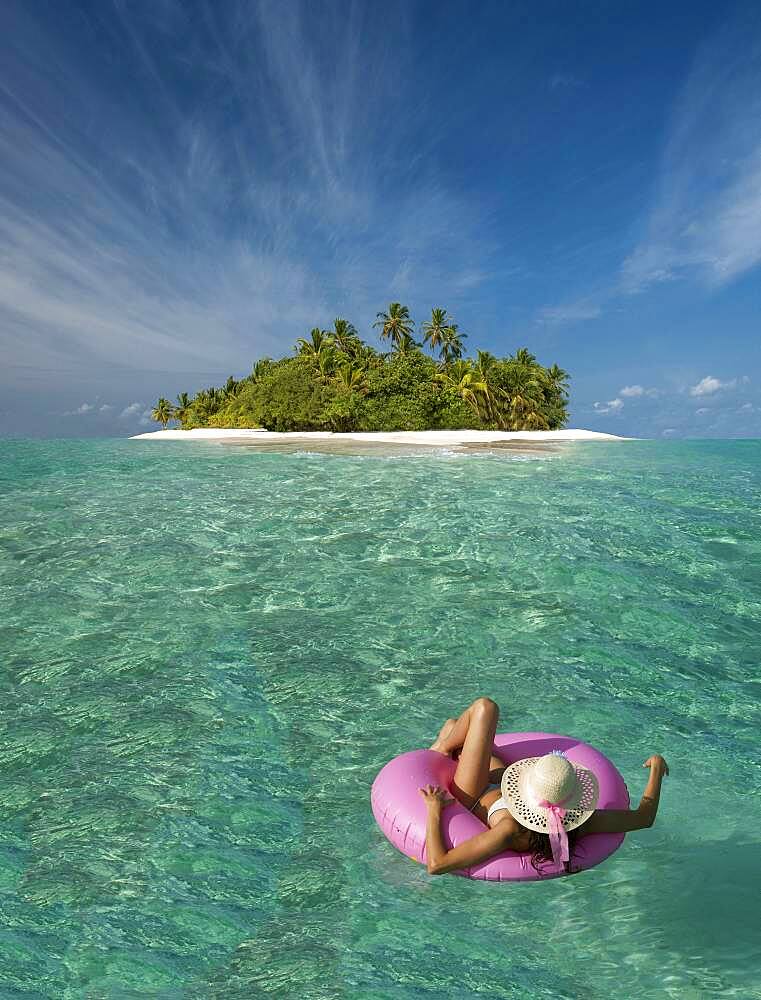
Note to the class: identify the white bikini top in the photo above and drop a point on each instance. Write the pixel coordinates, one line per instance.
(496, 807)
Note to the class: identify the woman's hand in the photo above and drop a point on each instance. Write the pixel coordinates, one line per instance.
(657, 765)
(435, 796)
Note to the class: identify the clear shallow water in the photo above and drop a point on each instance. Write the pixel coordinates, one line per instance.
(208, 653)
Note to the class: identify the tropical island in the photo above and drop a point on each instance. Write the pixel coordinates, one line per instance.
(336, 382)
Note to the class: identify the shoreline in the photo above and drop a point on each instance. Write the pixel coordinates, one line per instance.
(464, 439)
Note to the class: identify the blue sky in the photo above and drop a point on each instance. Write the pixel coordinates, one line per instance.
(187, 186)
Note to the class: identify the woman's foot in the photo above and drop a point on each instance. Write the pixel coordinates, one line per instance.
(441, 747)
(440, 744)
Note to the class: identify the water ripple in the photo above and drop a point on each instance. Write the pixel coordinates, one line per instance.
(208, 654)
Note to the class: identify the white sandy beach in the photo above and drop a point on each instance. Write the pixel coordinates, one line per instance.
(435, 439)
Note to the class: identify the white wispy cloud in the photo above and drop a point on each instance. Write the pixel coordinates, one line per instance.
(132, 410)
(612, 406)
(706, 216)
(81, 410)
(636, 391)
(710, 384)
(570, 312)
(137, 412)
(202, 235)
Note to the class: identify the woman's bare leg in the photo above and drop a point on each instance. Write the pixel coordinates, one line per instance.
(472, 774)
(472, 734)
(446, 743)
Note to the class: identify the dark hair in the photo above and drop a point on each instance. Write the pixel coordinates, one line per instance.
(541, 851)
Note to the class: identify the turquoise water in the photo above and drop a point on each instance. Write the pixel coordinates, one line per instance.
(208, 653)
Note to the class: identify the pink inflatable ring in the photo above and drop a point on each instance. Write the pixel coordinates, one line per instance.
(401, 814)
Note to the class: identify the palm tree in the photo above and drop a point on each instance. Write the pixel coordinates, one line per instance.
(260, 369)
(231, 388)
(460, 378)
(162, 412)
(558, 379)
(433, 329)
(351, 379)
(451, 344)
(524, 357)
(182, 407)
(325, 362)
(555, 388)
(485, 363)
(441, 332)
(208, 402)
(345, 336)
(395, 325)
(319, 341)
(523, 396)
(406, 344)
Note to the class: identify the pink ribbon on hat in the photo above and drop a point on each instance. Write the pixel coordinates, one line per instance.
(555, 828)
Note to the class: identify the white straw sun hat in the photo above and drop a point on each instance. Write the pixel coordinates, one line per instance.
(552, 795)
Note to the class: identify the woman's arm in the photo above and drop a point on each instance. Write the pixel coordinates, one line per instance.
(479, 848)
(625, 820)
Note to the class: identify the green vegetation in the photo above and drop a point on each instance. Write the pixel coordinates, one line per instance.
(163, 412)
(337, 382)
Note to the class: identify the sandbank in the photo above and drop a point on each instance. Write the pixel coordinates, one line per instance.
(465, 440)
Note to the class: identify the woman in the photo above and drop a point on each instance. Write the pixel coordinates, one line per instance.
(541, 801)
